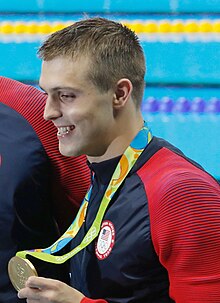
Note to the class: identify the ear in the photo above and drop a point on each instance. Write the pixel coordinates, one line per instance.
(123, 91)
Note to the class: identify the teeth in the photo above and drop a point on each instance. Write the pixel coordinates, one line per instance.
(64, 130)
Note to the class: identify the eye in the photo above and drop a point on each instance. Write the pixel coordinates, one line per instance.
(66, 97)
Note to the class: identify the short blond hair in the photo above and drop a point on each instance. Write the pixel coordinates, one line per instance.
(114, 50)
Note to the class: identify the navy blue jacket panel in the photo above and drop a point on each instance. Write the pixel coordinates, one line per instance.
(26, 220)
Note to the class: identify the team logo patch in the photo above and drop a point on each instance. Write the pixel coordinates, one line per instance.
(106, 240)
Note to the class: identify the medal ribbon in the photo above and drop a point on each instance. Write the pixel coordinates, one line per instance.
(125, 164)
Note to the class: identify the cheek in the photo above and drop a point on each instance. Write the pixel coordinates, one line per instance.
(92, 111)
(76, 114)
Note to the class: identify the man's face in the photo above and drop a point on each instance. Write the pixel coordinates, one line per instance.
(82, 114)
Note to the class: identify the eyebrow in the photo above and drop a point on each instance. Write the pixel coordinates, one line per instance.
(56, 88)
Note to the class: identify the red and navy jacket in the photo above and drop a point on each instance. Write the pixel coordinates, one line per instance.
(37, 184)
(160, 237)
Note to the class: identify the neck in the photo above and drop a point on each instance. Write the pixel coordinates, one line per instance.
(120, 142)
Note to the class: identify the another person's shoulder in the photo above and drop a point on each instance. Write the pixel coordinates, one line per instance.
(29, 102)
(11, 87)
(25, 99)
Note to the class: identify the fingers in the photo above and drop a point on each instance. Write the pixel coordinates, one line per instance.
(44, 290)
(30, 293)
(36, 286)
(42, 283)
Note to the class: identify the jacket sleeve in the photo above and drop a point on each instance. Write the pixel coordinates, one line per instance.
(185, 223)
(87, 300)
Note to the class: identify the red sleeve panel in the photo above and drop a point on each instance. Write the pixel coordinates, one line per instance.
(88, 300)
(71, 176)
(184, 206)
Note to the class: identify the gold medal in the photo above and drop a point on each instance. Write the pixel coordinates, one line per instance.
(19, 270)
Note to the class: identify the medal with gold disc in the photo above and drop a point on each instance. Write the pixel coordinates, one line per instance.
(19, 270)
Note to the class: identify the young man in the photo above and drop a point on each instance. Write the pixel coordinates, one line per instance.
(151, 231)
(38, 187)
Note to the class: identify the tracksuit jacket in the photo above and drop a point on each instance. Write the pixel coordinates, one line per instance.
(160, 236)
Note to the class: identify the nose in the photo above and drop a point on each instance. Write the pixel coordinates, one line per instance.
(52, 110)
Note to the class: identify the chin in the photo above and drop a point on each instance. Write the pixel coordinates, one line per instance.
(68, 152)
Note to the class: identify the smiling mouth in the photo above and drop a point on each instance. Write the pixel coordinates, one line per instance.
(64, 130)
